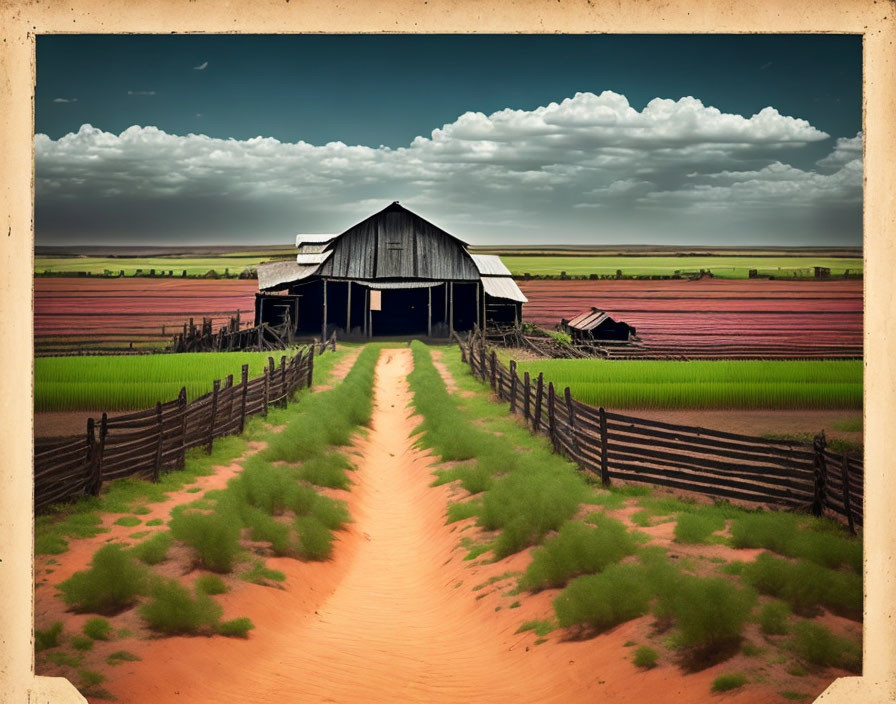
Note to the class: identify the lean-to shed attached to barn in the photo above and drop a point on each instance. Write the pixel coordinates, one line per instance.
(597, 325)
(393, 274)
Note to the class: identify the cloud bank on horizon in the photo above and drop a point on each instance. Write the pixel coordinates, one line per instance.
(589, 169)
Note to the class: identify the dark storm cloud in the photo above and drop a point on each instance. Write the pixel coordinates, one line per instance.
(590, 168)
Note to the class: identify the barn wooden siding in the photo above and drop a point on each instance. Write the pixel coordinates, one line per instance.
(714, 463)
(398, 244)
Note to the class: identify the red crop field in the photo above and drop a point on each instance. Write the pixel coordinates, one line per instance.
(762, 314)
(142, 311)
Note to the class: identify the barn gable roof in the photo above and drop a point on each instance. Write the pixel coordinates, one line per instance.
(393, 244)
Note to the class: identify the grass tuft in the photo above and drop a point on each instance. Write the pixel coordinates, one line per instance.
(173, 610)
(97, 628)
(210, 584)
(619, 593)
(773, 618)
(816, 645)
(214, 537)
(112, 584)
(645, 657)
(48, 637)
(153, 550)
(236, 628)
(122, 656)
(729, 681)
(695, 528)
(578, 549)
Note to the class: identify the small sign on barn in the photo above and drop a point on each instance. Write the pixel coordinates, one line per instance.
(597, 325)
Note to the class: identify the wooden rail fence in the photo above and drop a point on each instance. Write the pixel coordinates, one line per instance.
(712, 462)
(147, 443)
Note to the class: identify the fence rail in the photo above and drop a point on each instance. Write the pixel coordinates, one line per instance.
(147, 443)
(712, 462)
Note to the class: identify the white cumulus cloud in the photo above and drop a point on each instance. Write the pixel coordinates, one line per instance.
(556, 167)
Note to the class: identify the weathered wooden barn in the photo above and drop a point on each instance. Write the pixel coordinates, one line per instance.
(596, 325)
(393, 274)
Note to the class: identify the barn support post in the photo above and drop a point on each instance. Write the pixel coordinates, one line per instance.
(527, 393)
(479, 321)
(513, 381)
(157, 464)
(450, 307)
(604, 468)
(366, 308)
(348, 308)
(211, 418)
(182, 409)
(539, 393)
(323, 332)
(847, 498)
(429, 311)
(445, 302)
(819, 442)
(244, 383)
(484, 321)
(570, 411)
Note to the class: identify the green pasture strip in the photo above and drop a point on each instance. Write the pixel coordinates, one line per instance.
(708, 613)
(729, 267)
(236, 263)
(739, 384)
(129, 382)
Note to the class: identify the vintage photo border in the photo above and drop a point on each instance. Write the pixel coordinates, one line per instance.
(22, 20)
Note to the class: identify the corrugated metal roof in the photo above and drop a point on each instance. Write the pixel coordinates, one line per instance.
(490, 265)
(277, 273)
(589, 320)
(312, 257)
(503, 287)
(311, 248)
(313, 239)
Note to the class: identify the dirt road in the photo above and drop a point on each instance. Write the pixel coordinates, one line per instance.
(393, 628)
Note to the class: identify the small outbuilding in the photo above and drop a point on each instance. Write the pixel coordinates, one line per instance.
(595, 325)
(393, 274)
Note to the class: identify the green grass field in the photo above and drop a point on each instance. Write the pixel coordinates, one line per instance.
(235, 262)
(734, 267)
(116, 383)
(729, 267)
(707, 384)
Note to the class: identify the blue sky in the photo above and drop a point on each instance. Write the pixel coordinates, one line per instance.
(724, 140)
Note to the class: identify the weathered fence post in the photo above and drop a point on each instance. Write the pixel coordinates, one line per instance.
(283, 379)
(493, 361)
(847, 497)
(92, 486)
(483, 373)
(604, 469)
(570, 411)
(539, 393)
(211, 419)
(157, 464)
(527, 394)
(819, 442)
(513, 383)
(245, 390)
(310, 367)
(552, 416)
(267, 383)
(182, 408)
